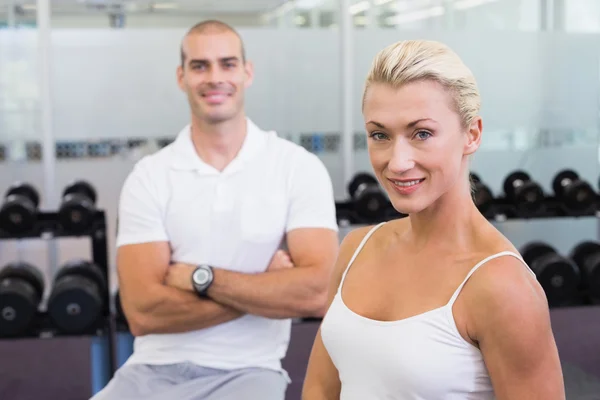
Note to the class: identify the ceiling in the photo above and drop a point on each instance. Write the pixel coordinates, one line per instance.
(198, 6)
(405, 8)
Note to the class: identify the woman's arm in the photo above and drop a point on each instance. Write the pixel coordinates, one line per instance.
(322, 379)
(509, 318)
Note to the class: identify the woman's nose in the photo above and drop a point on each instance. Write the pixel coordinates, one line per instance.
(401, 160)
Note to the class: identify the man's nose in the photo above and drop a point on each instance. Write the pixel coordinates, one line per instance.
(215, 75)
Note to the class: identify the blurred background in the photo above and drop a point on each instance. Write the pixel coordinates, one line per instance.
(88, 87)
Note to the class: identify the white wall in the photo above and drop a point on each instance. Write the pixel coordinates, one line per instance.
(113, 83)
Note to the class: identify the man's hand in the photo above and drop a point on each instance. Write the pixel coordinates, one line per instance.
(281, 260)
(179, 275)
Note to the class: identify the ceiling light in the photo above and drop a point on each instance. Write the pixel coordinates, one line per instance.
(359, 7)
(300, 20)
(360, 20)
(415, 15)
(164, 6)
(464, 4)
(308, 4)
(402, 6)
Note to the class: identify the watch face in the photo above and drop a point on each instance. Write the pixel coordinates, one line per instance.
(201, 276)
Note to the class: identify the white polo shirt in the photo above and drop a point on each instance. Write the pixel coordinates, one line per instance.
(234, 219)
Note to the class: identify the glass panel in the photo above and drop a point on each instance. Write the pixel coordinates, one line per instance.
(20, 136)
(521, 15)
(580, 16)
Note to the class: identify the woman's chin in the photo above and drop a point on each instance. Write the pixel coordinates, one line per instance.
(408, 207)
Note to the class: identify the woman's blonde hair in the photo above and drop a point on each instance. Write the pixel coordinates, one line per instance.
(413, 60)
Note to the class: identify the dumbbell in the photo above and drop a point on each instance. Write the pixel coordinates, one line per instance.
(368, 199)
(526, 194)
(575, 194)
(344, 218)
(18, 213)
(76, 301)
(482, 195)
(21, 290)
(78, 206)
(558, 275)
(587, 257)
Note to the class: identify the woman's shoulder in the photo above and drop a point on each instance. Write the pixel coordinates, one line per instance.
(501, 269)
(354, 237)
(503, 284)
(371, 235)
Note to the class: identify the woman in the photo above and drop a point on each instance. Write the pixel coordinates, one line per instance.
(438, 305)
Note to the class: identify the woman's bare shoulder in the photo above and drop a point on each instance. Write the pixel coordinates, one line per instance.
(501, 287)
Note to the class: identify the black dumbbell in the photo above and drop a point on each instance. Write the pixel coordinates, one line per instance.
(76, 301)
(558, 275)
(21, 290)
(18, 213)
(482, 195)
(344, 218)
(78, 207)
(526, 194)
(368, 199)
(587, 257)
(575, 194)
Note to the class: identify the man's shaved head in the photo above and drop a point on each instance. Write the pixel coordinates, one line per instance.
(211, 26)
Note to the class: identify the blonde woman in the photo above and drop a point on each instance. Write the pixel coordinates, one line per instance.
(438, 305)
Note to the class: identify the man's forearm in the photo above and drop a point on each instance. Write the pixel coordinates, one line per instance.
(176, 311)
(287, 293)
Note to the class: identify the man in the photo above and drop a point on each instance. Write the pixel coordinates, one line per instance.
(204, 288)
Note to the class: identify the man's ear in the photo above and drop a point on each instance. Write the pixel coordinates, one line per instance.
(473, 136)
(249, 69)
(180, 77)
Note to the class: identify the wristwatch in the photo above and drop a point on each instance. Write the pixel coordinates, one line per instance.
(202, 278)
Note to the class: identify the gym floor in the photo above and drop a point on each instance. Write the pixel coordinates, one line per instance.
(60, 368)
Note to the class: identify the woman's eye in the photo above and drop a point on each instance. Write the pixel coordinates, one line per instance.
(423, 135)
(378, 135)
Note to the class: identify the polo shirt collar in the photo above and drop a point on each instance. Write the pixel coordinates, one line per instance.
(185, 157)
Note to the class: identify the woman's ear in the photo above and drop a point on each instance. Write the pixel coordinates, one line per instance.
(473, 136)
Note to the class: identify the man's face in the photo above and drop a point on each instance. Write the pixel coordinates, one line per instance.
(214, 75)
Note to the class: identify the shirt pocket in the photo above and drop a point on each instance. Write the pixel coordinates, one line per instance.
(263, 217)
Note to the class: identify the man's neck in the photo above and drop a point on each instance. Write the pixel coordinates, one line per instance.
(218, 144)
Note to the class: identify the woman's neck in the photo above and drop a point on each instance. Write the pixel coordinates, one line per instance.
(451, 223)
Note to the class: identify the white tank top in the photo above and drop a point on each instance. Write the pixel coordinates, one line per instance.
(423, 357)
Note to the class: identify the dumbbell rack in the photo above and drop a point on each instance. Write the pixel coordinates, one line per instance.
(48, 227)
(502, 208)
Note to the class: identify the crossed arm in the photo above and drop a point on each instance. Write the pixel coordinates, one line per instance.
(157, 296)
(162, 300)
(300, 291)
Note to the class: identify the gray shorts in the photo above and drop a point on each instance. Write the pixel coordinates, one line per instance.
(188, 381)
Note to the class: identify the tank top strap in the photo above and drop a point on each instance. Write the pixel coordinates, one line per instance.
(482, 262)
(358, 249)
